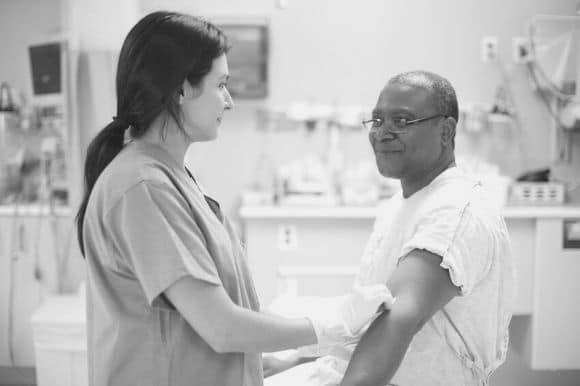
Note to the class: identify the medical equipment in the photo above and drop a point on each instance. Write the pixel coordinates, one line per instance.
(555, 53)
(554, 43)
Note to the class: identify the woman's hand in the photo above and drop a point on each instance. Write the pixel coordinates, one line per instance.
(362, 304)
(345, 320)
(274, 364)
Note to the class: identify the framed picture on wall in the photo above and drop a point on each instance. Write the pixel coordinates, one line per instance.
(248, 57)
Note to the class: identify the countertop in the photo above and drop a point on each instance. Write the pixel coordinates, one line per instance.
(33, 210)
(364, 212)
(345, 212)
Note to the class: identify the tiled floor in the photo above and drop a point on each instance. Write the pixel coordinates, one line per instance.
(17, 376)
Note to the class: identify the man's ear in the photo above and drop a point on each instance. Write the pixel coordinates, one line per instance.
(448, 131)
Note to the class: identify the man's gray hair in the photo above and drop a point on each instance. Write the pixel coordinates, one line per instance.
(441, 90)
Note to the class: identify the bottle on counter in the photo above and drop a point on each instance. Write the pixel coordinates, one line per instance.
(335, 159)
(6, 99)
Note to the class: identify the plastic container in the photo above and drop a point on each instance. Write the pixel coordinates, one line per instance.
(537, 193)
(59, 329)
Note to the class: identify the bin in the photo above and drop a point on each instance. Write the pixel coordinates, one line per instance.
(59, 331)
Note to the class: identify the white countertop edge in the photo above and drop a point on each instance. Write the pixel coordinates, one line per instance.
(33, 210)
(364, 212)
(307, 212)
(541, 211)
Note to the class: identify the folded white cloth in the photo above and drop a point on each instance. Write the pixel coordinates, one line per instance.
(325, 371)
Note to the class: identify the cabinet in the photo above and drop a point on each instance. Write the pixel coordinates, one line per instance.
(39, 156)
(32, 247)
(316, 251)
(555, 333)
(60, 341)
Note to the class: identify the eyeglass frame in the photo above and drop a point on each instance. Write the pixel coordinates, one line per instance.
(402, 130)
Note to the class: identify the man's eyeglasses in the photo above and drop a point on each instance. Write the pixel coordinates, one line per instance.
(396, 125)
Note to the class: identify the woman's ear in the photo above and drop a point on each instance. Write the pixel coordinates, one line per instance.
(180, 95)
(188, 91)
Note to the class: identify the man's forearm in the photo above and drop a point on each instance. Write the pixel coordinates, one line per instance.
(380, 352)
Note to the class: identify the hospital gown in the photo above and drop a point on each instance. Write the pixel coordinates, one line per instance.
(465, 341)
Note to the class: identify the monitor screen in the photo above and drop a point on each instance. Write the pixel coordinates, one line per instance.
(247, 59)
(45, 64)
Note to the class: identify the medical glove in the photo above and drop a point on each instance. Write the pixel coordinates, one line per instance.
(344, 320)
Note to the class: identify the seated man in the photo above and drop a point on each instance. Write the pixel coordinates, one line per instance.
(440, 247)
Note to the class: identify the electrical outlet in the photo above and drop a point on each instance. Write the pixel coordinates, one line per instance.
(489, 45)
(520, 49)
(287, 237)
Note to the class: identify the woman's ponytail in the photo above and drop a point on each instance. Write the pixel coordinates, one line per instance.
(101, 151)
(160, 52)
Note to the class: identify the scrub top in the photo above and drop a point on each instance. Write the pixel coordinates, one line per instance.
(146, 226)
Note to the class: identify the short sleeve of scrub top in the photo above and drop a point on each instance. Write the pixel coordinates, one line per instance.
(159, 239)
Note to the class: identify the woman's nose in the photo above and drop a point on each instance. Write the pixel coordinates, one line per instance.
(229, 101)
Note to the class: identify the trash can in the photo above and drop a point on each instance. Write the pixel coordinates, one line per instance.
(59, 330)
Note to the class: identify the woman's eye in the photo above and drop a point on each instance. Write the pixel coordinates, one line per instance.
(223, 85)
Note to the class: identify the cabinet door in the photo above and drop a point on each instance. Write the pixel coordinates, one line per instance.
(5, 234)
(522, 231)
(318, 262)
(556, 315)
(47, 247)
(29, 246)
(20, 292)
(26, 287)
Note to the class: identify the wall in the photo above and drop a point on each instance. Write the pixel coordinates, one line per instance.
(358, 47)
(340, 52)
(25, 22)
(343, 52)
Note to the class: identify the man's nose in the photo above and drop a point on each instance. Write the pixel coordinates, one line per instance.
(384, 135)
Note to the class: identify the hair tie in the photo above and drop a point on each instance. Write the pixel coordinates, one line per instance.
(121, 121)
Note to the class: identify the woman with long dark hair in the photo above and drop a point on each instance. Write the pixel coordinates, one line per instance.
(170, 300)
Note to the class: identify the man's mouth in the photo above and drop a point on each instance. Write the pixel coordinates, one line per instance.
(387, 146)
(387, 150)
